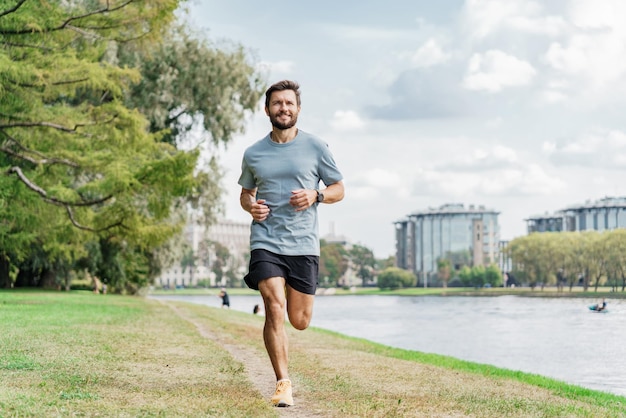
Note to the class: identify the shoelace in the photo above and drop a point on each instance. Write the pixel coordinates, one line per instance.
(282, 386)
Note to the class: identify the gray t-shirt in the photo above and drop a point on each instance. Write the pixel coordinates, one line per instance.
(277, 169)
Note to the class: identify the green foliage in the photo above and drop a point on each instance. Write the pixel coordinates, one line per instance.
(333, 263)
(363, 261)
(396, 278)
(465, 274)
(444, 267)
(95, 97)
(493, 275)
(73, 157)
(591, 256)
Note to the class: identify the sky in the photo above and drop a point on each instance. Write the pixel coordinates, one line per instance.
(516, 105)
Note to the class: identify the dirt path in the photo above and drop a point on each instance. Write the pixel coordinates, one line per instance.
(258, 368)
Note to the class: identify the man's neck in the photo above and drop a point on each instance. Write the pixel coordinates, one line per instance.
(282, 136)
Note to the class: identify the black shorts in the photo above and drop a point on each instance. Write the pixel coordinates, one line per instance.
(299, 271)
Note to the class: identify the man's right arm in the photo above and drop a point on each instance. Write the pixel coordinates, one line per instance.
(257, 208)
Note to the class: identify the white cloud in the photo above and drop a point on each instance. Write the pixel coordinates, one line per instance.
(595, 53)
(495, 70)
(482, 160)
(553, 96)
(602, 149)
(598, 14)
(377, 182)
(346, 120)
(487, 17)
(429, 54)
(519, 181)
(278, 67)
(367, 34)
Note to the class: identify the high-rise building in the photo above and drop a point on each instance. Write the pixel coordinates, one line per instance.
(462, 235)
(604, 214)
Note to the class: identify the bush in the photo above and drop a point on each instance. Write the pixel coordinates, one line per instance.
(396, 278)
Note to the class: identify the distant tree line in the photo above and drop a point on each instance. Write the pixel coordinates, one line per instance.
(567, 259)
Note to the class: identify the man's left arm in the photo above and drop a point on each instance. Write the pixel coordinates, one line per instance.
(333, 193)
(302, 199)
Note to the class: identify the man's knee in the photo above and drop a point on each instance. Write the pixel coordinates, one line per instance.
(300, 321)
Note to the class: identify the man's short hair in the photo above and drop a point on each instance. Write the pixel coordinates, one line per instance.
(280, 86)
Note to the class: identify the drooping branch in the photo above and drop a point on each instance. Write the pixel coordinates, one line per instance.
(70, 215)
(13, 9)
(42, 124)
(53, 200)
(16, 45)
(66, 23)
(56, 83)
(26, 124)
(37, 162)
(67, 205)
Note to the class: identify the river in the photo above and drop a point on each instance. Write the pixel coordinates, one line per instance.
(555, 337)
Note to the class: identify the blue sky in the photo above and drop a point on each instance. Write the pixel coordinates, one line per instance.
(516, 105)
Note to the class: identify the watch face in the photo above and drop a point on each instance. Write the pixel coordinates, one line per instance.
(320, 197)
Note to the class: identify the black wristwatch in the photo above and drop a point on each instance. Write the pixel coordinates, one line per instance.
(320, 196)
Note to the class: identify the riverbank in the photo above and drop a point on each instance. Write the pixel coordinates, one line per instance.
(82, 354)
(552, 292)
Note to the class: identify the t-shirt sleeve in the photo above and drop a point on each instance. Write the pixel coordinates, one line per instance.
(329, 173)
(246, 179)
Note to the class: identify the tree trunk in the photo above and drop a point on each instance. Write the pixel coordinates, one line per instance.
(26, 278)
(5, 278)
(48, 280)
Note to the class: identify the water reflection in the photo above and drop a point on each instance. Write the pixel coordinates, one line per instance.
(559, 338)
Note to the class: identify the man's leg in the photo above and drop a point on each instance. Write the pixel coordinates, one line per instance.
(275, 337)
(274, 334)
(299, 308)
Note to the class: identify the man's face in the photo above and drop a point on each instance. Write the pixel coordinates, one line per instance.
(283, 109)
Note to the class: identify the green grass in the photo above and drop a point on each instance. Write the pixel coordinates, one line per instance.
(80, 354)
(76, 353)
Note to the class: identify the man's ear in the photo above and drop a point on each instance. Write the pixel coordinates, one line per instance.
(267, 111)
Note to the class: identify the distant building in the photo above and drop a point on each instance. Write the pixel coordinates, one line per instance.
(349, 278)
(450, 231)
(235, 236)
(604, 214)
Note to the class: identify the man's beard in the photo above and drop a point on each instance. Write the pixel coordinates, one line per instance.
(280, 125)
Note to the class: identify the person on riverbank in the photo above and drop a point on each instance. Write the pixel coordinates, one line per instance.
(280, 177)
(225, 299)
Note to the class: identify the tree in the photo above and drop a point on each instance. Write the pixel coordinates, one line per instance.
(478, 274)
(221, 262)
(76, 80)
(333, 263)
(465, 274)
(395, 278)
(443, 271)
(362, 258)
(493, 275)
(189, 260)
(197, 94)
(71, 152)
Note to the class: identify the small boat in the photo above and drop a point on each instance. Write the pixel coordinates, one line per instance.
(596, 309)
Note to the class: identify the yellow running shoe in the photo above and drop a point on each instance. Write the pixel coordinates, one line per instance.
(283, 395)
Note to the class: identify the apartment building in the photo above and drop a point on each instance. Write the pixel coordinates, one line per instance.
(603, 214)
(450, 231)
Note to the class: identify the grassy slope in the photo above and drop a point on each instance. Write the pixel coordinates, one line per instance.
(77, 353)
